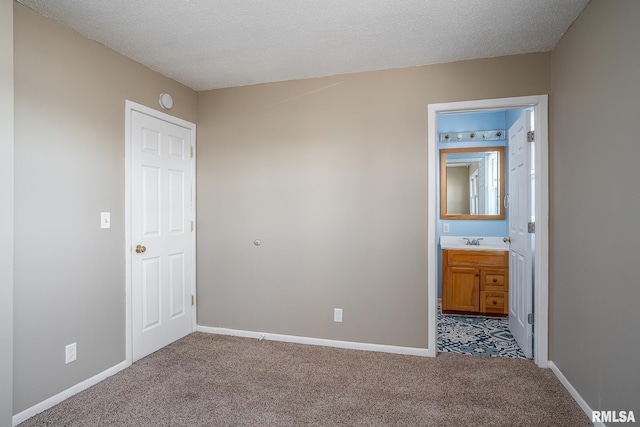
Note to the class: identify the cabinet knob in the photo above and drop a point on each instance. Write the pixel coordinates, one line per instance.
(495, 280)
(495, 302)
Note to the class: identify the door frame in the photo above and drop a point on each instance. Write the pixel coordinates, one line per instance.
(541, 163)
(130, 107)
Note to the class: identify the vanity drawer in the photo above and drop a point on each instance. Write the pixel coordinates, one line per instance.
(494, 302)
(495, 279)
(478, 258)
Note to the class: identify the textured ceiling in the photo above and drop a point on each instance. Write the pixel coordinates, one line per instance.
(207, 44)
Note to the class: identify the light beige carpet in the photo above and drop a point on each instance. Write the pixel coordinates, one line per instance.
(211, 380)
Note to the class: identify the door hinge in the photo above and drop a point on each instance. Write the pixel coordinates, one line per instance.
(191, 225)
(191, 151)
(531, 227)
(193, 300)
(530, 319)
(531, 136)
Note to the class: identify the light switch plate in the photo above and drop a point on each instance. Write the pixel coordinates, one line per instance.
(105, 219)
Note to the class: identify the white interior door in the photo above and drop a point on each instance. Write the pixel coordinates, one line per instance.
(161, 233)
(520, 257)
(482, 186)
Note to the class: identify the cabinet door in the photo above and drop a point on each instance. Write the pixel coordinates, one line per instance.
(463, 289)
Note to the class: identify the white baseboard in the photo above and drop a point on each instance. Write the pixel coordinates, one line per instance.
(573, 392)
(412, 351)
(52, 401)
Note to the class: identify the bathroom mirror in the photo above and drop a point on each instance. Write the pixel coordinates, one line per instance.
(472, 183)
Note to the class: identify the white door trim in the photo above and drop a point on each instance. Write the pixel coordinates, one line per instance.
(541, 282)
(131, 106)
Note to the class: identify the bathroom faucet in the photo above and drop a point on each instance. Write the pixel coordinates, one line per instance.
(473, 242)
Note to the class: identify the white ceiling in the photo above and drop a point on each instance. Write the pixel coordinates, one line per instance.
(208, 44)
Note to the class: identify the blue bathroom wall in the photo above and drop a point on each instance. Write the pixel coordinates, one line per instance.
(465, 122)
(512, 116)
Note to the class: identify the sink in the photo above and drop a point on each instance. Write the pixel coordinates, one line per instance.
(486, 244)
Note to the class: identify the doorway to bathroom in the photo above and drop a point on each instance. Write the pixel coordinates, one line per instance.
(467, 126)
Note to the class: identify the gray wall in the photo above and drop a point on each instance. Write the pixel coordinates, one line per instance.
(69, 166)
(6, 210)
(458, 190)
(595, 205)
(331, 174)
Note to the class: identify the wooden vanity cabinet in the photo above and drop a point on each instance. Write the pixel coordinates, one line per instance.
(475, 282)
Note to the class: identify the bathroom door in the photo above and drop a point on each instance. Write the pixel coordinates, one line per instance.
(520, 257)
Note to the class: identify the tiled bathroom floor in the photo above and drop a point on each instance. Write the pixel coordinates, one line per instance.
(478, 335)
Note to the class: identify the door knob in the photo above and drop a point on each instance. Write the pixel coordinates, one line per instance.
(506, 239)
(140, 249)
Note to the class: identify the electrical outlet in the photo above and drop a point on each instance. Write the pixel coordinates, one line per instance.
(445, 227)
(70, 353)
(337, 315)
